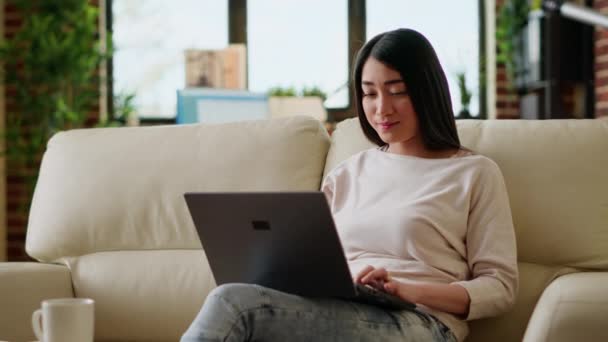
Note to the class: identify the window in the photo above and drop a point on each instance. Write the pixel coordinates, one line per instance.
(452, 27)
(290, 43)
(150, 39)
(293, 43)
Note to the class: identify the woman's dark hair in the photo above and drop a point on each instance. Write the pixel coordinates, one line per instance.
(411, 54)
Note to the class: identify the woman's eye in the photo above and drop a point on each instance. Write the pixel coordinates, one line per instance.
(369, 94)
(404, 92)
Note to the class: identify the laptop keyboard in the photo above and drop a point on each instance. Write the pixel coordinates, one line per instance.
(370, 295)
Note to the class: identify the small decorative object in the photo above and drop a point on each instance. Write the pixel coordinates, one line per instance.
(288, 101)
(225, 68)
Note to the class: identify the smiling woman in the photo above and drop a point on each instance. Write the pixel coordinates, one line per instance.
(403, 97)
(387, 104)
(414, 224)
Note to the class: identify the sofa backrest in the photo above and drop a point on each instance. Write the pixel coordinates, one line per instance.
(555, 171)
(113, 189)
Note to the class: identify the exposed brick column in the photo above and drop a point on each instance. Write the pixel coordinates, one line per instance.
(507, 101)
(601, 64)
(17, 199)
(2, 158)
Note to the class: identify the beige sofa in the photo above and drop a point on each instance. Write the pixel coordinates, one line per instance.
(108, 220)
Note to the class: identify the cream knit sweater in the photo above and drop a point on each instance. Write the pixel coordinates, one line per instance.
(429, 220)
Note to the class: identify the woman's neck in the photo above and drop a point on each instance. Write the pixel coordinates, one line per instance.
(419, 150)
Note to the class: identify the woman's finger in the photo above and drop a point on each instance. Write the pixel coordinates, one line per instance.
(363, 272)
(391, 287)
(378, 275)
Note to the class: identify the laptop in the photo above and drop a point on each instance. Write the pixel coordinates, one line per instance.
(286, 241)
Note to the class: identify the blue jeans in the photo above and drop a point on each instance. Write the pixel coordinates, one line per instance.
(243, 312)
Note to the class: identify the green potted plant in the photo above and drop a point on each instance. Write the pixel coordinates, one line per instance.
(512, 18)
(50, 69)
(510, 24)
(465, 97)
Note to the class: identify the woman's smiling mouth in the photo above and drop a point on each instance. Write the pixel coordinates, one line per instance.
(387, 125)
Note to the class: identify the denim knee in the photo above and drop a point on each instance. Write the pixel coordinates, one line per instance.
(240, 297)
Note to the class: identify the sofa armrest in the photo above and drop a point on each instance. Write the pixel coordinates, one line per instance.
(573, 307)
(23, 285)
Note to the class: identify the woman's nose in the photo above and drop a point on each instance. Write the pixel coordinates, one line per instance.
(384, 106)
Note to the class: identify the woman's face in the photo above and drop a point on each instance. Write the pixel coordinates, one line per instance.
(387, 105)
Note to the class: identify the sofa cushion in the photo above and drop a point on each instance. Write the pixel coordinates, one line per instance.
(572, 308)
(555, 175)
(511, 325)
(155, 295)
(23, 287)
(142, 295)
(122, 188)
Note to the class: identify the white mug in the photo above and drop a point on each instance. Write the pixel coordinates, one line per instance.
(64, 320)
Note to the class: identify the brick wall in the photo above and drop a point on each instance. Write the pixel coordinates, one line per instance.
(17, 199)
(601, 64)
(507, 101)
(2, 158)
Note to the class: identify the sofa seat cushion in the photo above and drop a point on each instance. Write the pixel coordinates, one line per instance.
(142, 295)
(23, 286)
(155, 295)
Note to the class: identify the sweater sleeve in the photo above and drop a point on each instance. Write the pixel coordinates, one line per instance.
(328, 189)
(491, 247)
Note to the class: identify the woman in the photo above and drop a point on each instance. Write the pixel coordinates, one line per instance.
(420, 217)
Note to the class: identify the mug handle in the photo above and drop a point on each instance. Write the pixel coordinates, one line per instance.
(37, 324)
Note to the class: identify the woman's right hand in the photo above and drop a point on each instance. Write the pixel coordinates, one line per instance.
(375, 277)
